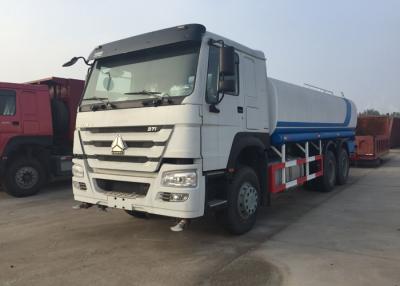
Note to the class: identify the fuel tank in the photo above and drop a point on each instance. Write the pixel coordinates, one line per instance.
(298, 113)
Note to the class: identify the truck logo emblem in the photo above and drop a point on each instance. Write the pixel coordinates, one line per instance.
(118, 146)
(152, 129)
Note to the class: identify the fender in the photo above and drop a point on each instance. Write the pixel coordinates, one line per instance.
(15, 142)
(330, 144)
(261, 141)
(346, 143)
(339, 143)
(243, 140)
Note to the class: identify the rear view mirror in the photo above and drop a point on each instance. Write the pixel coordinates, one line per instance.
(108, 83)
(226, 61)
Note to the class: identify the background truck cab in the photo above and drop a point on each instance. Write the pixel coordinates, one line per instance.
(37, 120)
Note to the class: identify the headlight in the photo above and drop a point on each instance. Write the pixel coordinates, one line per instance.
(77, 170)
(182, 179)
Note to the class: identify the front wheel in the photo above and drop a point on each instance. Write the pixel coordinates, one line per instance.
(243, 201)
(24, 177)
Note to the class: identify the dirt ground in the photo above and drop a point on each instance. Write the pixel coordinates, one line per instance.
(350, 236)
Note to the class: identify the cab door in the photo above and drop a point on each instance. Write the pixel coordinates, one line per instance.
(9, 117)
(250, 94)
(223, 120)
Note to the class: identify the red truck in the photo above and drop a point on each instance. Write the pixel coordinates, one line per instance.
(37, 121)
(372, 138)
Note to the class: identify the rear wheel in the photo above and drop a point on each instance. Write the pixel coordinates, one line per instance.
(327, 181)
(377, 162)
(243, 201)
(343, 166)
(24, 177)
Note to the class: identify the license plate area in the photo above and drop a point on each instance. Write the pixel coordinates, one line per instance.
(120, 203)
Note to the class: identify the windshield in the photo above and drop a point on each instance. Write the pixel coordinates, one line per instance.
(162, 72)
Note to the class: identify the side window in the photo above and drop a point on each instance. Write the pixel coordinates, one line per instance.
(213, 75)
(7, 102)
(235, 77)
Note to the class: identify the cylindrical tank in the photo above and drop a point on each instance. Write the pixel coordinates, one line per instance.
(298, 113)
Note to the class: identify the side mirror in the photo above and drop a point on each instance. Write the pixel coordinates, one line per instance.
(226, 61)
(70, 62)
(227, 85)
(74, 60)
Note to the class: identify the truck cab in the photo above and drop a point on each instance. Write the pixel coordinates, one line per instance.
(24, 110)
(155, 122)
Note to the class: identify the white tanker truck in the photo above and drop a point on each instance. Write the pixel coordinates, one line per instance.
(180, 122)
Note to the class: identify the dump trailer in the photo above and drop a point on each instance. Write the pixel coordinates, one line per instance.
(37, 121)
(181, 122)
(395, 132)
(372, 138)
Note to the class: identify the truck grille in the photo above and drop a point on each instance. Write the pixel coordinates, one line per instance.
(122, 188)
(145, 147)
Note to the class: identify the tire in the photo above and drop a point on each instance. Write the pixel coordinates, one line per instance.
(377, 163)
(327, 181)
(244, 198)
(60, 115)
(137, 214)
(343, 166)
(24, 177)
(309, 185)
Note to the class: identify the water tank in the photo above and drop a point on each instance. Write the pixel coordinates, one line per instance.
(298, 113)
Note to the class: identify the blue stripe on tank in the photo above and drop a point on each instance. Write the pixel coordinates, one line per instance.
(287, 131)
(278, 139)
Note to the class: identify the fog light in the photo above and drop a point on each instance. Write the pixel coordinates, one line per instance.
(178, 197)
(79, 185)
(173, 197)
(77, 170)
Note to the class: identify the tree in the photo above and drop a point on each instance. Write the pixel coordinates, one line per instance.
(369, 112)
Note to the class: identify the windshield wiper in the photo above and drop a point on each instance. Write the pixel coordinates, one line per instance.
(102, 99)
(160, 100)
(105, 103)
(144, 92)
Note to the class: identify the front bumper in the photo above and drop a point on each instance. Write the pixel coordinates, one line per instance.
(150, 202)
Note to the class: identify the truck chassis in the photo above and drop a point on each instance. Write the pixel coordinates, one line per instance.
(300, 162)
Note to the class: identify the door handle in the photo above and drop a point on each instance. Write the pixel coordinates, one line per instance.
(15, 123)
(240, 109)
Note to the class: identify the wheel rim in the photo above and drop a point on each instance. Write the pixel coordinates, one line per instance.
(248, 200)
(26, 177)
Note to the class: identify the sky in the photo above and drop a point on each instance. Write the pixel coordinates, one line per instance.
(343, 46)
